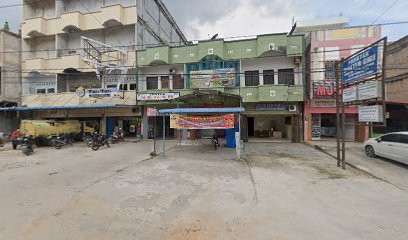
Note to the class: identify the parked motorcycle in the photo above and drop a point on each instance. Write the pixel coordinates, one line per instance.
(117, 138)
(99, 141)
(27, 146)
(62, 141)
(88, 140)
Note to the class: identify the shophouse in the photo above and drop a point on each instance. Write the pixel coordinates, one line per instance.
(263, 74)
(328, 41)
(79, 58)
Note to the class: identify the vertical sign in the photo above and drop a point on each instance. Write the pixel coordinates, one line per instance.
(316, 126)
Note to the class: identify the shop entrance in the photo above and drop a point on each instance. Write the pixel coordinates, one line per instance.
(158, 126)
(251, 126)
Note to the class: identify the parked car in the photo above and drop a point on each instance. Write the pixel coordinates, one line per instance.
(393, 146)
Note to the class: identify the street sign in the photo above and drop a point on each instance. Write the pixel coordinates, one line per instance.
(370, 113)
(361, 65)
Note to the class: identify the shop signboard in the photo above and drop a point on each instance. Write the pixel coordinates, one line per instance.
(96, 92)
(152, 112)
(323, 103)
(158, 96)
(316, 126)
(361, 65)
(350, 94)
(213, 78)
(369, 90)
(270, 107)
(370, 113)
(324, 89)
(202, 122)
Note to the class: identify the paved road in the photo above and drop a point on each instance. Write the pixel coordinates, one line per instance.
(283, 191)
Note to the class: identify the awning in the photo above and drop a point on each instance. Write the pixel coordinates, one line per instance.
(201, 110)
(63, 107)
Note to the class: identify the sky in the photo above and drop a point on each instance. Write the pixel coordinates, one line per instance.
(200, 19)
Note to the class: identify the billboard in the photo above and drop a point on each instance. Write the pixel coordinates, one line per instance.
(202, 122)
(213, 78)
(361, 65)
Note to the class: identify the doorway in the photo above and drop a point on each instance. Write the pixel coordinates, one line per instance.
(251, 126)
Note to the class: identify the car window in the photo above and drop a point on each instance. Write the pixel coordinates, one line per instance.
(390, 138)
(402, 138)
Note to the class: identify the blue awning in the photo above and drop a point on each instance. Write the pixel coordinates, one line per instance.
(63, 107)
(201, 110)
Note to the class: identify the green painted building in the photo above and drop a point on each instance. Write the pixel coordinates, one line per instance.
(263, 74)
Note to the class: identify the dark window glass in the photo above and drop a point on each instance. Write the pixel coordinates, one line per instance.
(269, 77)
(251, 78)
(132, 86)
(51, 90)
(165, 82)
(389, 138)
(402, 138)
(123, 87)
(329, 70)
(111, 86)
(41, 91)
(152, 83)
(178, 82)
(286, 76)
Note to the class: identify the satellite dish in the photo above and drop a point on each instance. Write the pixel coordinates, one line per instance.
(214, 37)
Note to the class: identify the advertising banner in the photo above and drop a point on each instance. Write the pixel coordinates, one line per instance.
(370, 113)
(202, 122)
(361, 65)
(213, 78)
(158, 96)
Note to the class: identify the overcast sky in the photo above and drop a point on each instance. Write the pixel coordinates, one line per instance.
(228, 18)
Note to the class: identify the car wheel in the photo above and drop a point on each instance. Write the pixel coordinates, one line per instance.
(369, 151)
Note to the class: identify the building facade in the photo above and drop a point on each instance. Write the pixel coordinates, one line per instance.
(264, 75)
(73, 46)
(328, 43)
(10, 78)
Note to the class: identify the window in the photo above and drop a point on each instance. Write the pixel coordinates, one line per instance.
(111, 86)
(330, 70)
(0, 79)
(402, 138)
(51, 90)
(132, 86)
(178, 82)
(269, 77)
(165, 82)
(123, 87)
(152, 83)
(251, 78)
(41, 91)
(389, 138)
(286, 76)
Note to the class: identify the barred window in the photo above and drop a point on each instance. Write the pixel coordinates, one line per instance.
(286, 76)
(178, 82)
(152, 83)
(251, 78)
(269, 77)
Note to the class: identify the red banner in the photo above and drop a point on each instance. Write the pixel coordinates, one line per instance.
(202, 122)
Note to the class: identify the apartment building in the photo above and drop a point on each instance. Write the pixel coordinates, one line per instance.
(263, 74)
(10, 80)
(328, 41)
(71, 45)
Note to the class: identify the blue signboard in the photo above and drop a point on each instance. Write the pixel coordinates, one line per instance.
(361, 65)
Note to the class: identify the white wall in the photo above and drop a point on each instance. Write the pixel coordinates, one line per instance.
(271, 63)
(35, 81)
(155, 70)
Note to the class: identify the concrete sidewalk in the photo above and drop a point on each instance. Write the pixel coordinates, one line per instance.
(384, 169)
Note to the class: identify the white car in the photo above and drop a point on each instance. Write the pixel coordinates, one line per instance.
(393, 146)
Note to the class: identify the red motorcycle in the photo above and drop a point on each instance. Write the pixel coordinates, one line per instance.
(117, 138)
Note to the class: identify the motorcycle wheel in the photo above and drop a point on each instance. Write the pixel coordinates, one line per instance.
(58, 146)
(95, 147)
(107, 144)
(27, 151)
(89, 144)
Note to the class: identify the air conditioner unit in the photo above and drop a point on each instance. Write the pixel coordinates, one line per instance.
(292, 108)
(272, 46)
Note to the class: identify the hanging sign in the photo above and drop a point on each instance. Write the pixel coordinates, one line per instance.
(158, 96)
(213, 78)
(202, 122)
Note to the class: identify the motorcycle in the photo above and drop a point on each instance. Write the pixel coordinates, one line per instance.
(215, 142)
(117, 138)
(27, 146)
(99, 141)
(61, 141)
(88, 140)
